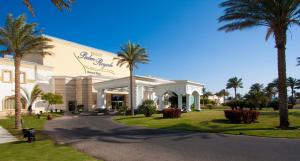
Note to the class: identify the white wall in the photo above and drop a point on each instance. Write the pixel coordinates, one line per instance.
(31, 71)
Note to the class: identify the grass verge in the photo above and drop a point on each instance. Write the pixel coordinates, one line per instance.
(213, 121)
(44, 149)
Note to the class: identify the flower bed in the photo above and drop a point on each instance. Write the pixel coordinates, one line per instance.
(241, 116)
(171, 113)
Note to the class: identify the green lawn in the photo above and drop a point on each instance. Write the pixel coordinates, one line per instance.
(215, 122)
(44, 149)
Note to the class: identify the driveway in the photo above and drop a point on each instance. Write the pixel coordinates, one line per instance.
(99, 136)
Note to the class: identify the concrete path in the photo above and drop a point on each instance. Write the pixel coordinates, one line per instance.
(5, 136)
(99, 136)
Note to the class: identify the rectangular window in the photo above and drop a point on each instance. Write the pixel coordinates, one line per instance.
(6, 76)
(22, 77)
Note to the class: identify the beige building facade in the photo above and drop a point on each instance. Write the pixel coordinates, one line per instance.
(70, 72)
(75, 68)
(90, 78)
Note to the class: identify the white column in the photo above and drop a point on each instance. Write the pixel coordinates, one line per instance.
(139, 95)
(135, 97)
(197, 102)
(101, 99)
(188, 102)
(161, 103)
(104, 99)
(180, 101)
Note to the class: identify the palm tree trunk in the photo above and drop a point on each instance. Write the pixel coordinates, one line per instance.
(131, 91)
(17, 93)
(280, 38)
(293, 100)
(234, 93)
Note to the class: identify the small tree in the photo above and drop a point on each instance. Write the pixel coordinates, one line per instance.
(52, 99)
(29, 98)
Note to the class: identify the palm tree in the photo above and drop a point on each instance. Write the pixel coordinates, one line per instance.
(271, 91)
(30, 98)
(234, 83)
(59, 4)
(292, 83)
(132, 54)
(256, 88)
(223, 93)
(20, 38)
(274, 83)
(277, 16)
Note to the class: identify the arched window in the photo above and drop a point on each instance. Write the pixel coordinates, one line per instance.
(9, 103)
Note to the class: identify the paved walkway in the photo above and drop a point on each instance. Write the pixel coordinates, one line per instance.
(99, 136)
(5, 136)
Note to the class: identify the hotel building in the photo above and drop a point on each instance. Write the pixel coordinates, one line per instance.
(87, 76)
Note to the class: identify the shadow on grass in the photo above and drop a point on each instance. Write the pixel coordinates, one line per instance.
(129, 117)
(223, 121)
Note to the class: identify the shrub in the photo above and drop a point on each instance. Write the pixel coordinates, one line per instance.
(290, 106)
(274, 105)
(209, 106)
(147, 108)
(123, 109)
(80, 108)
(234, 116)
(171, 113)
(239, 116)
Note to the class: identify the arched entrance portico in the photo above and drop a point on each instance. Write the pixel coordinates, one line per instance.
(176, 93)
(196, 100)
(170, 99)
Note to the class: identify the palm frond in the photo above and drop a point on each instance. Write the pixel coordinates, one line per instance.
(131, 54)
(269, 33)
(21, 38)
(274, 14)
(59, 4)
(29, 6)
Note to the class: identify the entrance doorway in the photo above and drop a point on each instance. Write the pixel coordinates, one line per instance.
(117, 101)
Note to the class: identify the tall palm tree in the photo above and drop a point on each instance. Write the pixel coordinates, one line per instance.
(131, 54)
(277, 16)
(20, 38)
(59, 4)
(234, 83)
(292, 83)
(29, 98)
(256, 88)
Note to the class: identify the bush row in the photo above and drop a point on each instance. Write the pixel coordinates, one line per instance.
(246, 104)
(239, 116)
(171, 113)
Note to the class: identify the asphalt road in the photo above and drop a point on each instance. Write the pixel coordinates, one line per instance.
(100, 137)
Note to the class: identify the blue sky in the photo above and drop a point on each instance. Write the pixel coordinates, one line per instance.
(180, 36)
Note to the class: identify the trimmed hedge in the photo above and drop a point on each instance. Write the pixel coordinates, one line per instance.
(171, 113)
(239, 116)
